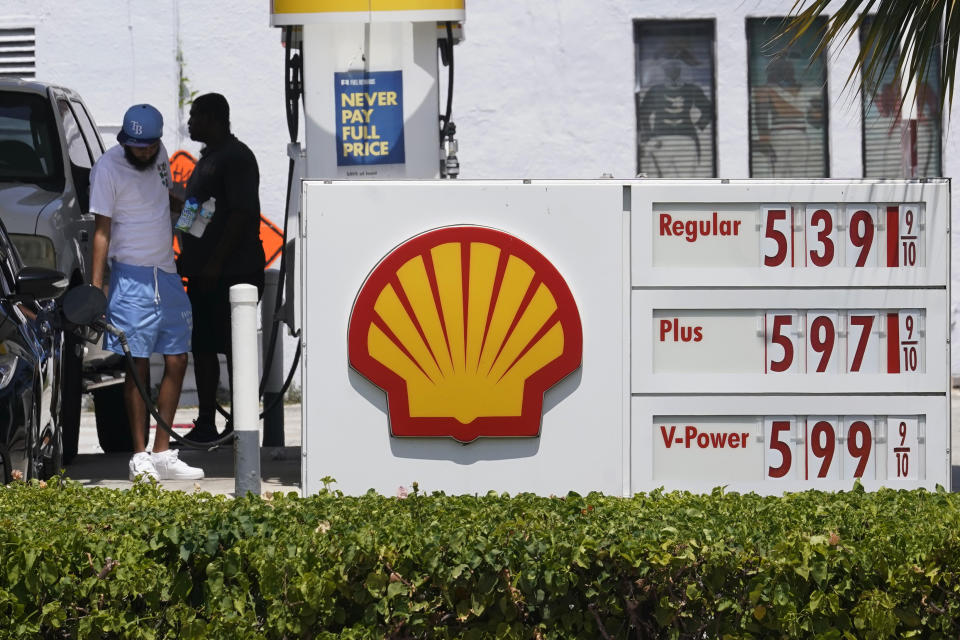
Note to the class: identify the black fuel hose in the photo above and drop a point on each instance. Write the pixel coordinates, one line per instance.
(286, 385)
(447, 57)
(161, 423)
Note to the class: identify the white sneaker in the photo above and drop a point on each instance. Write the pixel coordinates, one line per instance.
(169, 466)
(141, 465)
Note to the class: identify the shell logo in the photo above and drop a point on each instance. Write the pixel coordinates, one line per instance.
(465, 328)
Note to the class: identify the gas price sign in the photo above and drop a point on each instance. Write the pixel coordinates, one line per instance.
(785, 341)
(809, 449)
(858, 235)
(790, 335)
(790, 236)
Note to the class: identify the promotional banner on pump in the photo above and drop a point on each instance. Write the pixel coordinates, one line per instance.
(369, 106)
(550, 336)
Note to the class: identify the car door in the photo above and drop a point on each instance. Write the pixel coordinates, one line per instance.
(18, 372)
(95, 148)
(83, 148)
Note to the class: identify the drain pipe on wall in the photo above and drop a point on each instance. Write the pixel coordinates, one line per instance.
(246, 376)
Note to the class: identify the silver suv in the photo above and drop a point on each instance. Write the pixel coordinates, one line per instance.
(48, 144)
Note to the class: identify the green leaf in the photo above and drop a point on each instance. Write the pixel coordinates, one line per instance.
(395, 589)
(375, 583)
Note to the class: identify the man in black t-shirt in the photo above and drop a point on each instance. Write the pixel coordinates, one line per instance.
(229, 252)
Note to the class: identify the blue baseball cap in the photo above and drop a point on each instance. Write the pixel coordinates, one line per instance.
(142, 126)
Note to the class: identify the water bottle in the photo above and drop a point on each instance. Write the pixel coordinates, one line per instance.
(203, 218)
(188, 215)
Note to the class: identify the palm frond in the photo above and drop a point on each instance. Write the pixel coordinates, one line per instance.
(917, 38)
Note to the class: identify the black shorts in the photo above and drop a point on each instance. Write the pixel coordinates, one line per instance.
(211, 311)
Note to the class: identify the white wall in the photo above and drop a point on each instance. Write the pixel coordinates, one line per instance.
(116, 53)
(543, 88)
(548, 92)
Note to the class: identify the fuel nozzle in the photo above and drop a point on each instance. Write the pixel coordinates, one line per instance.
(449, 165)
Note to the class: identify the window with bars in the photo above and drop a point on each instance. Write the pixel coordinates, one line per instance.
(674, 97)
(788, 103)
(18, 53)
(894, 145)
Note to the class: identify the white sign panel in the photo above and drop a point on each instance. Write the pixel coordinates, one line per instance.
(772, 444)
(364, 438)
(789, 233)
(789, 341)
(550, 336)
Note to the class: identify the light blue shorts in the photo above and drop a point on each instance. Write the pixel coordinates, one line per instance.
(151, 308)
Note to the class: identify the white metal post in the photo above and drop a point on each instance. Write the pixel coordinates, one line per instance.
(245, 409)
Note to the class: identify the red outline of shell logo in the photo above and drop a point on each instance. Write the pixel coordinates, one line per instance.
(465, 328)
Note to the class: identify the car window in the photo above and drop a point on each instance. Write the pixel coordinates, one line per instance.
(29, 144)
(87, 128)
(76, 145)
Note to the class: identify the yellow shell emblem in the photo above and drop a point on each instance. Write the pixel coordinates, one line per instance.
(465, 328)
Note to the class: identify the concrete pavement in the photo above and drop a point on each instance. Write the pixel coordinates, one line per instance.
(279, 466)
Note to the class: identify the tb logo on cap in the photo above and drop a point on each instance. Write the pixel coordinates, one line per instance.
(136, 127)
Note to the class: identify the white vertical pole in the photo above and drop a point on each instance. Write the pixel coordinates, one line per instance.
(246, 375)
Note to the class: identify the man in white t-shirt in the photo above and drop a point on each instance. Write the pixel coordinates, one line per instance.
(129, 193)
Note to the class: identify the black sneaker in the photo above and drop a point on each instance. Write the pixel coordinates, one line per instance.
(202, 432)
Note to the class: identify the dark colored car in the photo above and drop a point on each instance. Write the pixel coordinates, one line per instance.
(31, 440)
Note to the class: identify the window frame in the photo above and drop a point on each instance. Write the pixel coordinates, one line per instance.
(826, 101)
(63, 106)
(82, 116)
(710, 25)
(941, 143)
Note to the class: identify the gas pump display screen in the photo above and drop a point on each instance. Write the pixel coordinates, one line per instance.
(369, 107)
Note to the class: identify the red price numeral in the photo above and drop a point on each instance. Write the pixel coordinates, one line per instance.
(910, 359)
(902, 447)
(779, 237)
(903, 464)
(821, 218)
(910, 354)
(901, 237)
(903, 347)
(786, 457)
(777, 337)
(823, 443)
(861, 234)
(822, 337)
(909, 253)
(865, 323)
(903, 456)
(859, 445)
(909, 243)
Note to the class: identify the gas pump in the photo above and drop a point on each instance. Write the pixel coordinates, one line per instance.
(371, 84)
(367, 74)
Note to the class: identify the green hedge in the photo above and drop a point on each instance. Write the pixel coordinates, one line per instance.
(148, 563)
